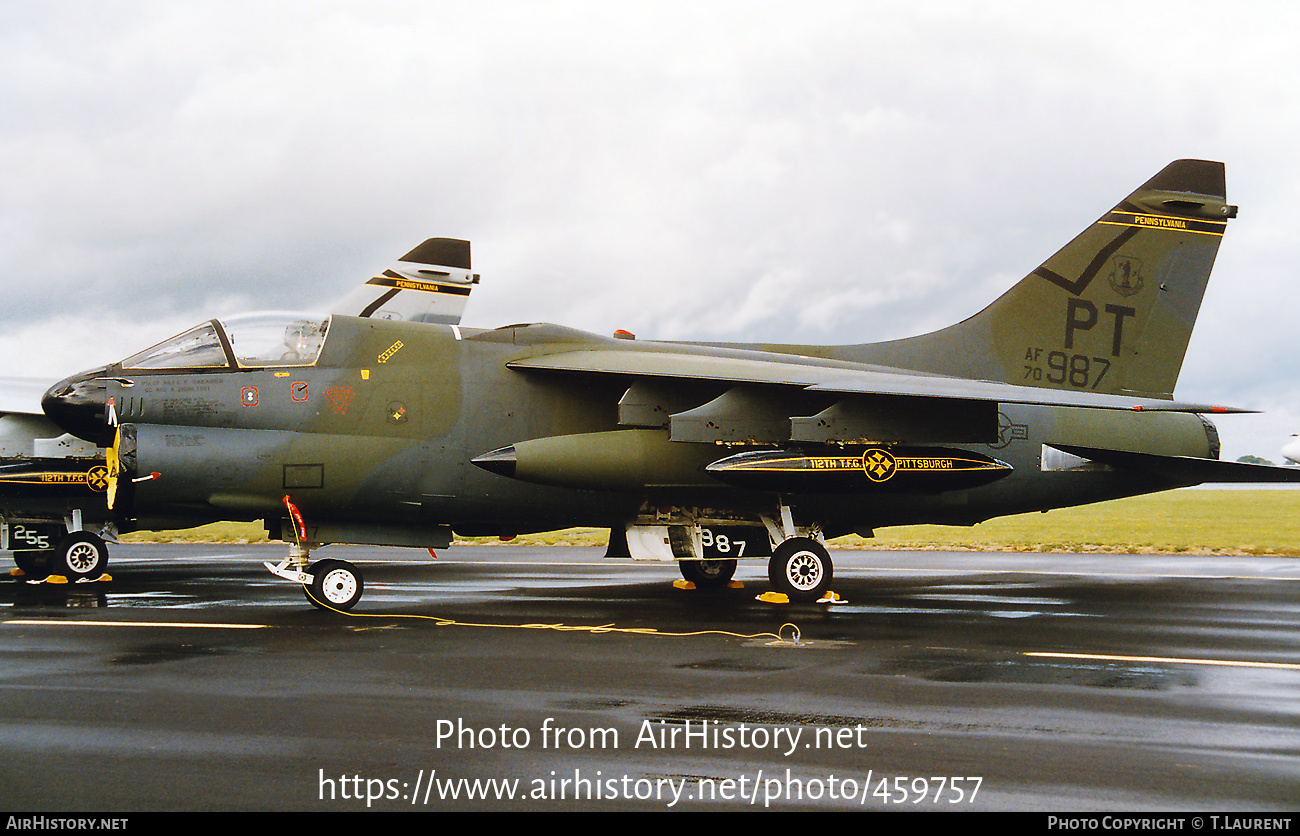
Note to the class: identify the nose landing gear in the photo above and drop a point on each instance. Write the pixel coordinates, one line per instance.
(328, 584)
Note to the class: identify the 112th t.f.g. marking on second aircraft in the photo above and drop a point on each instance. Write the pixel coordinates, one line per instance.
(97, 478)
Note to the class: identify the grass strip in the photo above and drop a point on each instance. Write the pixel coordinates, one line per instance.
(1253, 522)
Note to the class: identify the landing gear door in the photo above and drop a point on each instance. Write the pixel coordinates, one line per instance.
(697, 542)
(649, 542)
(25, 536)
(734, 542)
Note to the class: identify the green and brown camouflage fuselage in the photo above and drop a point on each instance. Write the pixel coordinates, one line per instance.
(398, 432)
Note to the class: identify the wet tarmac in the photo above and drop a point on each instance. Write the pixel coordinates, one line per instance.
(552, 679)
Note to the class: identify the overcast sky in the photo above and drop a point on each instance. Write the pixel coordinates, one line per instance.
(811, 172)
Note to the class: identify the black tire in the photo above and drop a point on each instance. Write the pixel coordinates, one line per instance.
(79, 555)
(801, 568)
(335, 585)
(707, 574)
(35, 563)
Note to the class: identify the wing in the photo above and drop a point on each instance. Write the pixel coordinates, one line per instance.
(775, 398)
(842, 378)
(24, 429)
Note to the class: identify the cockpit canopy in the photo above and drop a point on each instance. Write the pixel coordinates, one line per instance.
(250, 341)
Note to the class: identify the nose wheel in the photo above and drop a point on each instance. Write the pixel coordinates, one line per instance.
(335, 585)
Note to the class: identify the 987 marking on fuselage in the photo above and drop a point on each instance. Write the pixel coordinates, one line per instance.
(732, 542)
(1077, 370)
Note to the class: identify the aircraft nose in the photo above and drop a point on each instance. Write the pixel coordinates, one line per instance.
(79, 405)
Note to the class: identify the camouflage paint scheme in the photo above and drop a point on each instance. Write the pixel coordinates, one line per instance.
(402, 432)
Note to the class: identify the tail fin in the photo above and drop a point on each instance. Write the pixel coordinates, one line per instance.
(431, 283)
(1111, 312)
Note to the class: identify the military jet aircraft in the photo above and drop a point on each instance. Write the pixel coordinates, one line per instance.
(345, 429)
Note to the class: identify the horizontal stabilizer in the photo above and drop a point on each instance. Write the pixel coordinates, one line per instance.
(22, 395)
(1185, 468)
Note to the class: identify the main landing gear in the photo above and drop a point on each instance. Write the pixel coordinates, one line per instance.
(708, 574)
(801, 568)
(75, 556)
(80, 555)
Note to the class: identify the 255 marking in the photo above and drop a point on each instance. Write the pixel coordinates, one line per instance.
(33, 538)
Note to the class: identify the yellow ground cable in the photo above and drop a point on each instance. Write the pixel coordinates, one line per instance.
(442, 621)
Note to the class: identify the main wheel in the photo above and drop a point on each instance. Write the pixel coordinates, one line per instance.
(35, 563)
(707, 574)
(335, 585)
(801, 568)
(79, 555)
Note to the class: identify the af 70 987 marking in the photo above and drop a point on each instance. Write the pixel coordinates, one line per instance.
(1076, 369)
